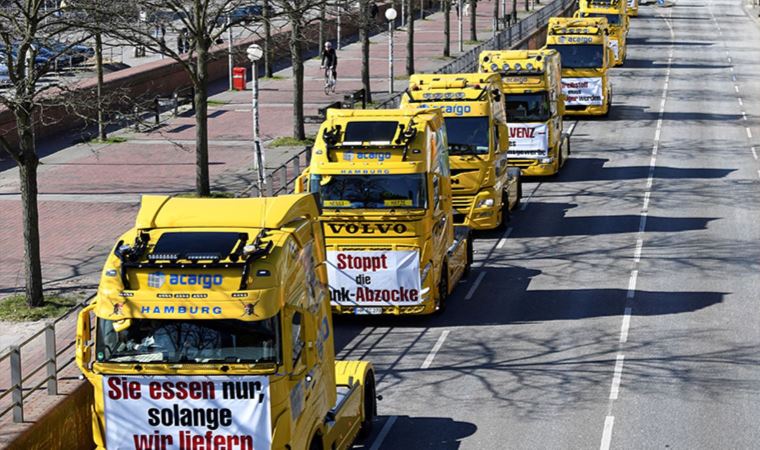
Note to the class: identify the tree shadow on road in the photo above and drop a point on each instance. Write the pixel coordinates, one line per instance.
(423, 433)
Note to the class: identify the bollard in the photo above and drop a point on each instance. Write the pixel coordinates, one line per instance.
(175, 96)
(136, 110)
(17, 395)
(284, 179)
(50, 354)
(157, 109)
(297, 165)
(269, 185)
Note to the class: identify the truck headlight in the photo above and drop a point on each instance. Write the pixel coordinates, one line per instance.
(547, 160)
(485, 203)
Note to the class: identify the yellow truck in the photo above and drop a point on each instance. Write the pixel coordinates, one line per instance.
(615, 11)
(211, 329)
(586, 61)
(383, 180)
(485, 189)
(531, 81)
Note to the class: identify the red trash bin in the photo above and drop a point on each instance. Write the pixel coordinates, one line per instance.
(238, 78)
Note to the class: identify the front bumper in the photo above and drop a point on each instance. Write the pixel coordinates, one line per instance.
(590, 110)
(533, 168)
(484, 218)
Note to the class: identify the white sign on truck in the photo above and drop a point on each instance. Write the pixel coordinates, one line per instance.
(374, 278)
(528, 138)
(192, 412)
(582, 91)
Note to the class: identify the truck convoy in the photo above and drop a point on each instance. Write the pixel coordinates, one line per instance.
(485, 189)
(617, 19)
(586, 61)
(212, 329)
(531, 81)
(383, 180)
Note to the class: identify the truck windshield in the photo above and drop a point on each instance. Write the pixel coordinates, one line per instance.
(612, 19)
(467, 135)
(188, 341)
(580, 56)
(528, 107)
(370, 191)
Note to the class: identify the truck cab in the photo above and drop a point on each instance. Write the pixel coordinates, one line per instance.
(586, 60)
(615, 11)
(383, 180)
(211, 328)
(531, 82)
(484, 188)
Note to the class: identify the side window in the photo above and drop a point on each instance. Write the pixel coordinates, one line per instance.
(297, 335)
(496, 141)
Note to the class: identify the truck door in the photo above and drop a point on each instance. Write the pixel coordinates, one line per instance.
(301, 381)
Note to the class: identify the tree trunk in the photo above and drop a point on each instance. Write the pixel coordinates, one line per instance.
(527, 5)
(447, 27)
(28, 178)
(364, 38)
(322, 14)
(296, 59)
(473, 21)
(99, 71)
(268, 63)
(410, 38)
(514, 11)
(200, 84)
(495, 16)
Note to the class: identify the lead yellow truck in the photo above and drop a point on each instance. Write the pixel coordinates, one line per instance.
(212, 330)
(586, 61)
(485, 189)
(615, 11)
(531, 81)
(383, 180)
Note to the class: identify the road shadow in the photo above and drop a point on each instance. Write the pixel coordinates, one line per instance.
(634, 63)
(593, 169)
(422, 433)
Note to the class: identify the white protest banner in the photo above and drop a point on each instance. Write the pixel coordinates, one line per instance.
(582, 91)
(527, 137)
(187, 412)
(615, 47)
(374, 278)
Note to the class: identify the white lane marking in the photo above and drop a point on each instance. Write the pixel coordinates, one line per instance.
(503, 239)
(758, 173)
(615, 388)
(475, 285)
(527, 200)
(632, 284)
(625, 326)
(637, 252)
(643, 222)
(657, 134)
(749, 133)
(609, 422)
(429, 360)
(741, 102)
(572, 128)
(733, 78)
(736, 88)
(731, 68)
(383, 433)
(754, 152)
(645, 207)
(649, 183)
(744, 115)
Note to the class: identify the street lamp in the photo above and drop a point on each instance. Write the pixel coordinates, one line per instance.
(255, 53)
(461, 13)
(229, 49)
(390, 16)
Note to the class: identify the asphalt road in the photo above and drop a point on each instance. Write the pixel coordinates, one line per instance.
(622, 309)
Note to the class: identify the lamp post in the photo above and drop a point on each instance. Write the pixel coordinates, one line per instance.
(390, 16)
(255, 53)
(229, 49)
(459, 26)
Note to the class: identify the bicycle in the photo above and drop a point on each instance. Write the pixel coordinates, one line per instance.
(329, 80)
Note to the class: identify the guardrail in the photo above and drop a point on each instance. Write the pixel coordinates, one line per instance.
(54, 362)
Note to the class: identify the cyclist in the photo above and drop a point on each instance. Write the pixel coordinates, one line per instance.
(330, 60)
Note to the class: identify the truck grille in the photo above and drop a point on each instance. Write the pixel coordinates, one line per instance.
(462, 203)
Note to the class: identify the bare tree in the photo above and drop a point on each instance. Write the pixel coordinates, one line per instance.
(410, 38)
(447, 27)
(268, 53)
(25, 26)
(364, 31)
(473, 20)
(199, 24)
(495, 16)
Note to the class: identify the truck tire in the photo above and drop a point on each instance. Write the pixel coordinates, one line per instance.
(370, 406)
(316, 443)
(505, 213)
(443, 289)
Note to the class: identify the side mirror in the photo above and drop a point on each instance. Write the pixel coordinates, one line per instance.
(83, 342)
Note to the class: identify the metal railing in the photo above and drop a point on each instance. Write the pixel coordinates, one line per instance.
(54, 362)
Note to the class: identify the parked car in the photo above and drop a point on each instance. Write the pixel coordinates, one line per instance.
(242, 14)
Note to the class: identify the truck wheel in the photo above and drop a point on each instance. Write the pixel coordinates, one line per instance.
(443, 289)
(316, 443)
(505, 213)
(370, 406)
